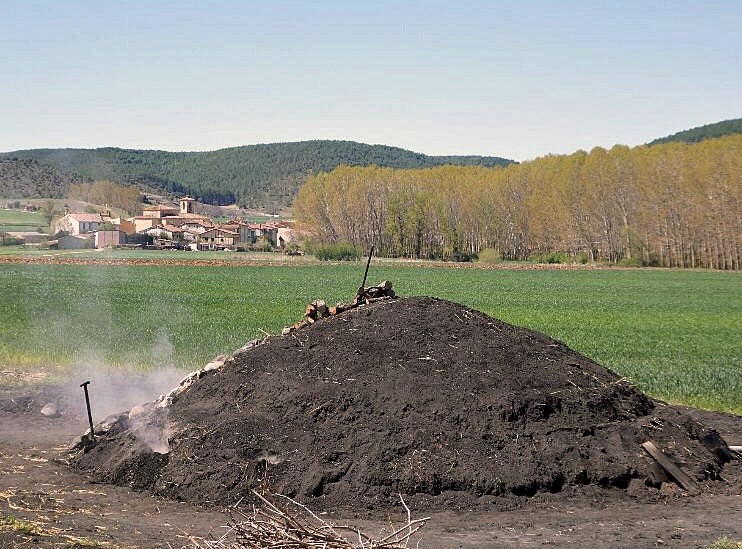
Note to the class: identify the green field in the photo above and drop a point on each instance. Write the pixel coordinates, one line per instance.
(674, 333)
(18, 220)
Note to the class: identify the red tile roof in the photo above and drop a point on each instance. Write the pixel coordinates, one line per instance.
(218, 230)
(86, 217)
(161, 208)
(186, 216)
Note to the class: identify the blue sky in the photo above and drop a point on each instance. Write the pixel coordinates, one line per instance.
(516, 79)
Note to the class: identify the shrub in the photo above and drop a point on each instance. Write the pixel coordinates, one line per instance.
(490, 256)
(464, 257)
(263, 244)
(651, 260)
(342, 251)
(293, 249)
(550, 257)
(630, 262)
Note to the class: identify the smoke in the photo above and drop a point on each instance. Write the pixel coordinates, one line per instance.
(116, 390)
(151, 426)
(163, 351)
(94, 341)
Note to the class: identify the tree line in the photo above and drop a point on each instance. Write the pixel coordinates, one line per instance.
(672, 205)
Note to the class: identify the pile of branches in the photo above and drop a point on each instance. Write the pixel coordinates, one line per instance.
(293, 525)
(318, 309)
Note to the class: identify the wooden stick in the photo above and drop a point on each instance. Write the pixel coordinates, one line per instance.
(683, 479)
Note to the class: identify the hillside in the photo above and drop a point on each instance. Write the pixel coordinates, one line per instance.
(253, 175)
(29, 179)
(709, 131)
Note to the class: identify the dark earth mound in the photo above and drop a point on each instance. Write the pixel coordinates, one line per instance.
(419, 397)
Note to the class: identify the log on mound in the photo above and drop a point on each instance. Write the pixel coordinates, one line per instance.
(417, 396)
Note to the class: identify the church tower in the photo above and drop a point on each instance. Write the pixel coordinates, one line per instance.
(186, 205)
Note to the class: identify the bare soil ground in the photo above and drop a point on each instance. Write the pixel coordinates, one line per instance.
(70, 511)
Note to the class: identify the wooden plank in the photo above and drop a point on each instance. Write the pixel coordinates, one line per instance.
(674, 471)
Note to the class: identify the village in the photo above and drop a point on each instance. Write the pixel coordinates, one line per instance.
(169, 227)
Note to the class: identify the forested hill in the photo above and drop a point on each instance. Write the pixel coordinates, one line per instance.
(709, 131)
(29, 179)
(253, 175)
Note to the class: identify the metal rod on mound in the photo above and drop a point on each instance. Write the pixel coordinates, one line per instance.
(87, 403)
(365, 274)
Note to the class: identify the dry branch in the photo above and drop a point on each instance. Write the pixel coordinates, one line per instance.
(293, 526)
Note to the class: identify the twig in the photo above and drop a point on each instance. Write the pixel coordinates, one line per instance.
(271, 526)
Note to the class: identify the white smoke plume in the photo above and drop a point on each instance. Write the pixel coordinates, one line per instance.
(115, 390)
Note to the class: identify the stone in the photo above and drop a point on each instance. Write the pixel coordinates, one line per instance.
(50, 410)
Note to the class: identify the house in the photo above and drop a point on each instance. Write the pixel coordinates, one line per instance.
(161, 214)
(75, 242)
(78, 223)
(270, 232)
(183, 218)
(249, 233)
(124, 225)
(285, 236)
(143, 222)
(190, 235)
(168, 232)
(108, 239)
(196, 227)
(159, 211)
(217, 239)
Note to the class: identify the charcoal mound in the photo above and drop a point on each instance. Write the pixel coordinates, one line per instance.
(418, 396)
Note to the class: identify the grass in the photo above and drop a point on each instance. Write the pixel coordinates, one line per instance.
(726, 543)
(36, 532)
(10, 523)
(19, 220)
(674, 333)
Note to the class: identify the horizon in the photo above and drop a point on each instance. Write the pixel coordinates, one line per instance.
(99, 147)
(479, 79)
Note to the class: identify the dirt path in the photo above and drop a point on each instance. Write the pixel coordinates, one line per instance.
(278, 260)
